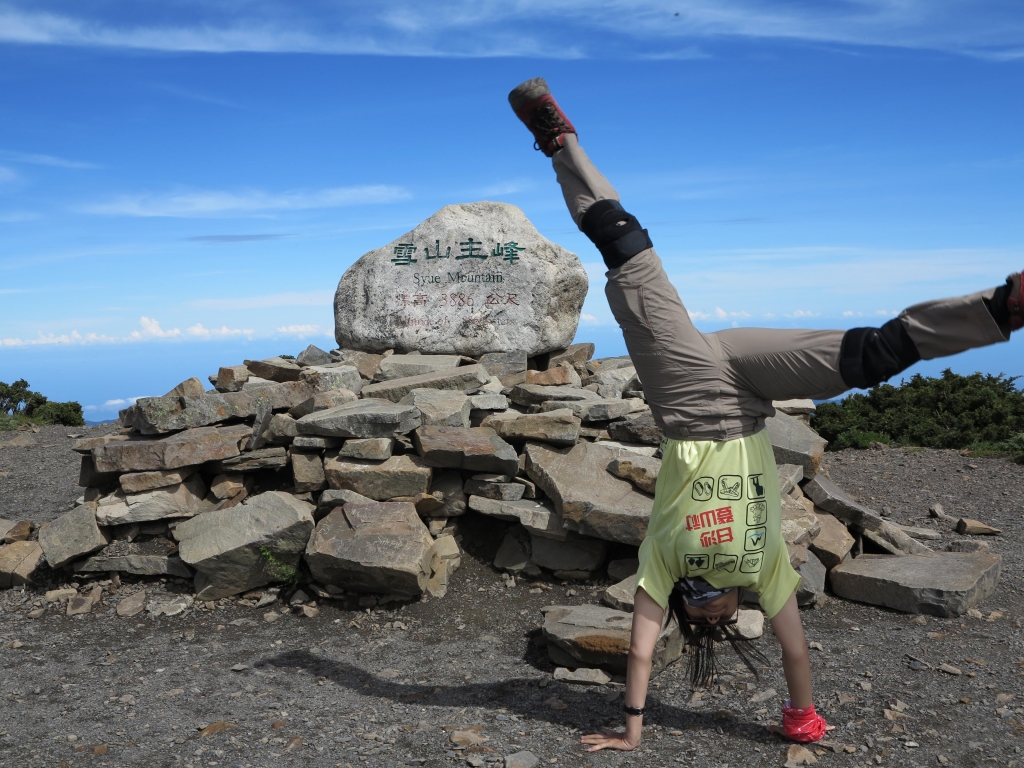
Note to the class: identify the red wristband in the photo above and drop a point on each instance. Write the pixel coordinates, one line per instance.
(802, 725)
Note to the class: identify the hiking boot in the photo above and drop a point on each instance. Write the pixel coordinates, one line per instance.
(1015, 301)
(536, 107)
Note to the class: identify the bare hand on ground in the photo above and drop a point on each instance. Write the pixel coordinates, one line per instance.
(608, 739)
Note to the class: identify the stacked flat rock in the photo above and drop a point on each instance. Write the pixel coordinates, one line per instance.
(354, 468)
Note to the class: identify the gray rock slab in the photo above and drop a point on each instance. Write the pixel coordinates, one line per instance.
(72, 535)
(795, 443)
(642, 429)
(282, 429)
(488, 401)
(498, 487)
(599, 409)
(522, 759)
(581, 676)
(307, 471)
(181, 500)
(20, 562)
(799, 525)
(332, 499)
(403, 366)
(6, 526)
(925, 534)
(231, 378)
(313, 355)
(508, 367)
(573, 354)
(641, 471)
(477, 448)
(383, 548)
(194, 446)
(620, 569)
(790, 476)
(160, 415)
(537, 517)
(274, 369)
(596, 636)
(513, 555)
(140, 565)
(323, 401)
(811, 592)
(938, 584)
(227, 486)
(370, 417)
(404, 475)
(535, 394)
(317, 443)
(513, 289)
(257, 542)
(440, 407)
(468, 377)
(833, 543)
(366, 362)
(831, 498)
(749, 624)
(253, 461)
(611, 382)
(574, 553)
(189, 388)
(332, 377)
(137, 482)
(584, 492)
(620, 595)
(556, 376)
(642, 449)
(557, 427)
(372, 448)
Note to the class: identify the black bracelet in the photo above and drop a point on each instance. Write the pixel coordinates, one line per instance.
(635, 711)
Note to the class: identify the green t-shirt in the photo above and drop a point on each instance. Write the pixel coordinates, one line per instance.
(717, 515)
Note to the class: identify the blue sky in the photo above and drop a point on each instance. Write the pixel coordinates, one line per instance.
(182, 184)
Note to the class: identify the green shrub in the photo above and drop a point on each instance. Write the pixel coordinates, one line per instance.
(19, 405)
(979, 412)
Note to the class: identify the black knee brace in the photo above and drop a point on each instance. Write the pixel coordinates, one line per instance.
(617, 234)
(869, 356)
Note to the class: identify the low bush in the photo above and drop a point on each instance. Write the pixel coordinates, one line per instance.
(980, 412)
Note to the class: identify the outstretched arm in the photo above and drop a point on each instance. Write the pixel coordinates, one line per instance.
(648, 618)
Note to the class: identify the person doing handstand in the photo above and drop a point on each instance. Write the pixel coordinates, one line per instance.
(715, 526)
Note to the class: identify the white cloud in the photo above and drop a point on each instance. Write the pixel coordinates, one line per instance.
(302, 330)
(13, 217)
(219, 333)
(589, 319)
(150, 330)
(803, 313)
(531, 28)
(187, 205)
(50, 160)
(291, 299)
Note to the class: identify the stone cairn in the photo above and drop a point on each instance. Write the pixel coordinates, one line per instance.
(349, 471)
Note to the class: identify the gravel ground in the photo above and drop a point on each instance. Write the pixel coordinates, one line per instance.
(386, 687)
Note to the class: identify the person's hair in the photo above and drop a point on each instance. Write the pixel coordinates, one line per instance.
(702, 664)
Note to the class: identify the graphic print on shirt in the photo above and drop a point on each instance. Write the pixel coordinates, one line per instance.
(757, 513)
(703, 488)
(730, 487)
(755, 539)
(697, 562)
(752, 562)
(756, 488)
(726, 562)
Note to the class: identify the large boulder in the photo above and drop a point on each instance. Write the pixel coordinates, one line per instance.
(19, 562)
(595, 636)
(255, 543)
(403, 366)
(382, 548)
(473, 278)
(587, 494)
(558, 427)
(795, 443)
(462, 379)
(181, 500)
(439, 407)
(938, 584)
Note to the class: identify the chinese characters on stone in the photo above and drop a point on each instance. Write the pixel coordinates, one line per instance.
(404, 254)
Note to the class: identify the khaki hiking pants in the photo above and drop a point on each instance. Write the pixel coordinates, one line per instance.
(720, 386)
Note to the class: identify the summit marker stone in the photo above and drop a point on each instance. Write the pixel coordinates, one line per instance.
(473, 278)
